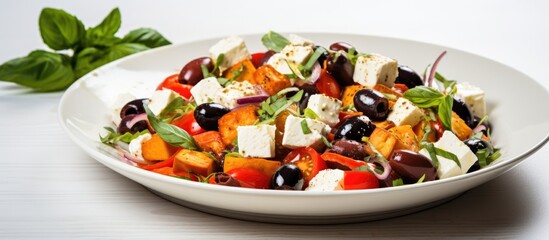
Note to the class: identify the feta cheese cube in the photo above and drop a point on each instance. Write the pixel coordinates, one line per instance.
(234, 50)
(233, 91)
(447, 167)
(374, 68)
(279, 62)
(160, 99)
(473, 97)
(405, 113)
(297, 55)
(135, 146)
(119, 103)
(207, 90)
(300, 41)
(327, 108)
(256, 141)
(326, 180)
(295, 138)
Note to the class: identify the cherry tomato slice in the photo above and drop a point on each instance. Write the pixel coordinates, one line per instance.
(401, 88)
(437, 127)
(256, 58)
(172, 83)
(308, 161)
(250, 177)
(327, 85)
(335, 160)
(359, 180)
(189, 124)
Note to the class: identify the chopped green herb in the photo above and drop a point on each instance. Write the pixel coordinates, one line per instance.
(445, 82)
(318, 52)
(421, 179)
(176, 109)
(398, 182)
(170, 133)
(309, 113)
(325, 141)
(304, 127)
(113, 137)
(482, 155)
(430, 147)
(274, 41)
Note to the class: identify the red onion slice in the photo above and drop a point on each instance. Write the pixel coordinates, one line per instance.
(434, 68)
(479, 128)
(137, 118)
(252, 99)
(383, 163)
(315, 73)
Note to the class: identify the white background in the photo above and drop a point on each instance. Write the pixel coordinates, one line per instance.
(50, 189)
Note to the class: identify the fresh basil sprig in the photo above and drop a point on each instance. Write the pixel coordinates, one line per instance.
(434, 152)
(445, 82)
(170, 133)
(91, 48)
(426, 97)
(274, 41)
(113, 136)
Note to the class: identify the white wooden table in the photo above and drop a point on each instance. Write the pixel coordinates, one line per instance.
(49, 189)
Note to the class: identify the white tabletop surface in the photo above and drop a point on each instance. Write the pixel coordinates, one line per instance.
(50, 189)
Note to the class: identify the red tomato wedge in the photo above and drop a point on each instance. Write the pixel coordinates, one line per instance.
(335, 160)
(308, 161)
(353, 180)
(250, 177)
(189, 124)
(256, 58)
(172, 83)
(327, 85)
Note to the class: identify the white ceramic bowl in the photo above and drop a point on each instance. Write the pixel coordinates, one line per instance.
(515, 104)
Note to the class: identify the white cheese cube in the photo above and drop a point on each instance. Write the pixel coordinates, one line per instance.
(300, 41)
(295, 138)
(207, 90)
(119, 103)
(160, 99)
(327, 108)
(447, 167)
(234, 50)
(135, 146)
(233, 91)
(326, 180)
(374, 68)
(298, 55)
(405, 113)
(256, 141)
(473, 97)
(279, 62)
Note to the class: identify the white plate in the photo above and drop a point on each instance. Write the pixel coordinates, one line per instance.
(514, 104)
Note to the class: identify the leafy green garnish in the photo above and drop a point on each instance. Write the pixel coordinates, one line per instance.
(309, 113)
(426, 97)
(113, 137)
(274, 41)
(398, 182)
(445, 82)
(176, 109)
(275, 104)
(170, 133)
(434, 152)
(304, 127)
(90, 48)
(445, 111)
(312, 60)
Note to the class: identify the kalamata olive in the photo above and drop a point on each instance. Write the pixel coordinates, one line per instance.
(485, 125)
(133, 107)
(287, 177)
(343, 46)
(132, 125)
(349, 148)
(411, 166)
(408, 77)
(341, 68)
(308, 91)
(207, 114)
(225, 179)
(323, 56)
(372, 103)
(354, 128)
(265, 58)
(191, 73)
(463, 111)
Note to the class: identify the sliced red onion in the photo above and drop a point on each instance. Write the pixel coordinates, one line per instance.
(137, 118)
(386, 168)
(287, 90)
(127, 157)
(479, 128)
(434, 68)
(315, 73)
(246, 104)
(252, 99)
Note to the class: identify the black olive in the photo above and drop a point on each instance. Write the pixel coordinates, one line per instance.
(476, 144)
(265, 58)
(138, 126)
(343, 46)
(308, 91)
(355, 128)
(372, 103)
(349, 148)
(191, 73)
(408, 77)
(207, 114)
(323, 56)
(341, 68)
(485, 123)
(412, 166)
(133, 107)
(287, 177)
(463, 111)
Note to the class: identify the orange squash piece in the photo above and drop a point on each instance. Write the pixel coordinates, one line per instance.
(420, 132)
(266, 166)
(406, 138)
(241, 71)
(157, 149)
(240, 117)
(349, 94)
(189, 161)
(383, 141)
(270, 80)
(210, 141)
(385, 124)
(460, 128)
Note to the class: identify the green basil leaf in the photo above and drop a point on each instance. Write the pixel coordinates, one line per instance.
(274, 41)
(60, 30)
(40, 70)
(430, 147)
(445, 111)
(424, 97)
(445, 82)
(176, 109)
(146, 36)
(170, 133)
(305, 128)
(398, 182)
(113, 137)
(309, 113)
(448, 155)
(91, 58)
(102, 35)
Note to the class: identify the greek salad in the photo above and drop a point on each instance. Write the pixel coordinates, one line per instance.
(300, 116)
